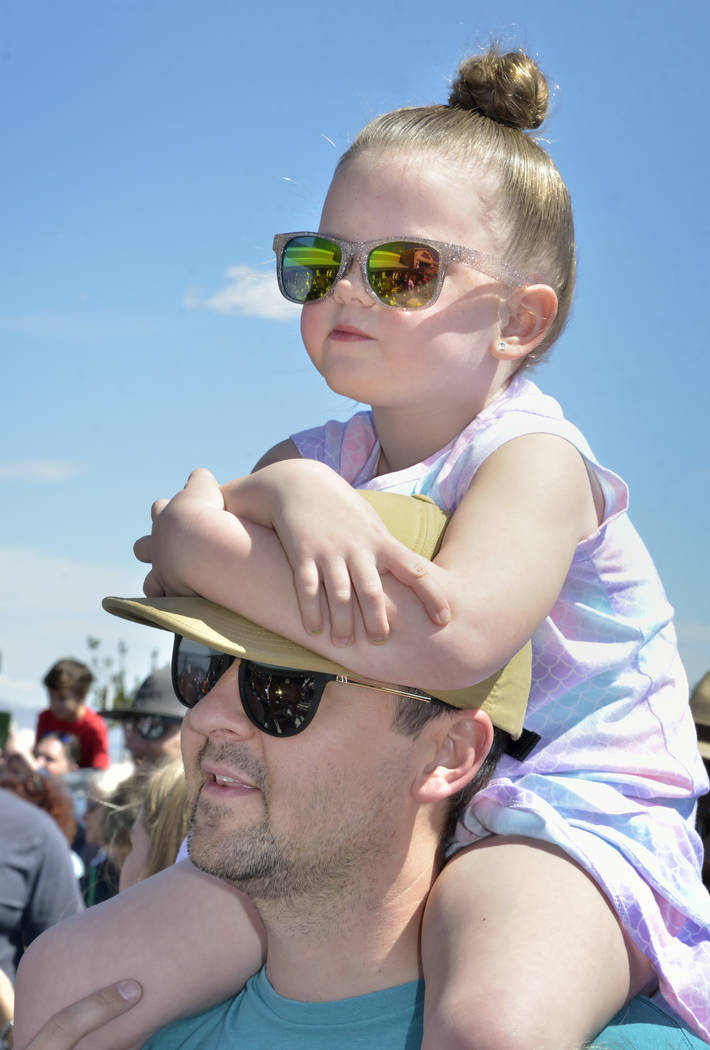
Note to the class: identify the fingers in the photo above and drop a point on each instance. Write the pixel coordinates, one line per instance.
(371, 599)
(325, 590)
(158, 507)
(344, 591)
(142, 549)
(66, 1028)
(201, 477)
(416, 573)
(339, 596)
(153, 586)
(350, 589)
(306, 580)
(203, 485)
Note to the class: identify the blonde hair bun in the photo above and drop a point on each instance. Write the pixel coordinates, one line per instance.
(510, 89)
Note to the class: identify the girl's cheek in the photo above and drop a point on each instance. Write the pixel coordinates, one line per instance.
(313, 330)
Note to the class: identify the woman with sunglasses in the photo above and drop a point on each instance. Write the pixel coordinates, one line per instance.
(443, 268)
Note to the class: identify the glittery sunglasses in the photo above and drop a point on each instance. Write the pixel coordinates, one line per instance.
(402, 273)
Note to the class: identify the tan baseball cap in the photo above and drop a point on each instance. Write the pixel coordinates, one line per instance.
(414, 520)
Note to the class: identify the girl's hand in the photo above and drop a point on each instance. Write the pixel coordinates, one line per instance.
(338, 549)
(173, 522)
(64, 1030)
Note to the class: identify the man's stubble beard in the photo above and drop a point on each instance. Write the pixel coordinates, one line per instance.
(321, 858)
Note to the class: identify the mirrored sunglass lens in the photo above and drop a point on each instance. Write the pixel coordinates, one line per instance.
(197, 669)
(403, 273)
(149, 727)
(279, 702)
(309, 268)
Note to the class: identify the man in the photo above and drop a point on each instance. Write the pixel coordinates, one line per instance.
(326, 798)
(151, 725)
(333, 826)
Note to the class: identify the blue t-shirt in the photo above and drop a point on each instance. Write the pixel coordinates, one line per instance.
(261, 1019)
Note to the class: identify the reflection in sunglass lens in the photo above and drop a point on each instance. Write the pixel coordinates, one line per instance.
(309, 268)
(403, 273)
(279, 702)
(150, 727)
(196, 670)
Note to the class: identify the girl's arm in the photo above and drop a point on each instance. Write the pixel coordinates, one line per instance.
(502, 564)
(187, 938)
(64, 1030)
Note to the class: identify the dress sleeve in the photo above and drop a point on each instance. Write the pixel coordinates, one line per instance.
(346, 448)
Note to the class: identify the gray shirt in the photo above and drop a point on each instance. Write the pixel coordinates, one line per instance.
(38, 886)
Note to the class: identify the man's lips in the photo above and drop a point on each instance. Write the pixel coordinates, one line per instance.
(221, 778)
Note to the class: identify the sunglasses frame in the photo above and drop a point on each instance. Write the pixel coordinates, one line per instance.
(320, 680)
(166, 723)
(360, 252)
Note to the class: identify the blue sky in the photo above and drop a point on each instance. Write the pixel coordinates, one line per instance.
(150, 151)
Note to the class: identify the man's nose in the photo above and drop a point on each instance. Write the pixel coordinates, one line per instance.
(221, 709)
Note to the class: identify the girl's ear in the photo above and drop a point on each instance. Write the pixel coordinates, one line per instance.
(531, 311)
(458, 750)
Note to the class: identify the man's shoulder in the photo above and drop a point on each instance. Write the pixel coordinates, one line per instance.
(646, 1025)
(204, 1031)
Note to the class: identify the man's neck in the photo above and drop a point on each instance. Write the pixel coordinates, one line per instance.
(363, 941)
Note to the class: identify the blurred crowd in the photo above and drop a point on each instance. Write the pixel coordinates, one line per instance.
(75, 826)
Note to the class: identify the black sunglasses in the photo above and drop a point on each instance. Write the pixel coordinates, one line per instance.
(280, 701)
(402, 273)
(151, 727)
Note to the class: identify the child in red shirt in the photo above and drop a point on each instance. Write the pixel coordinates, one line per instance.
(68, 683)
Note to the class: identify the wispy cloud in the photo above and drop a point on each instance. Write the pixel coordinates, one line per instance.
(249, 292)
(31, 581)
(37, 470)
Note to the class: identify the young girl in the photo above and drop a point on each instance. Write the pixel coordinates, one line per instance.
(443, 268)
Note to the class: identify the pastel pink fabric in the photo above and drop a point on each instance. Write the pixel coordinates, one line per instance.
(616, 775)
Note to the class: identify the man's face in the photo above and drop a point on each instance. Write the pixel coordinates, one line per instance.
(145, 751)
(279, 817)
(51, 755)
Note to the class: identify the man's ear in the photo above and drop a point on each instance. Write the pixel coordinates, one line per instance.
(531, 311)
(459, 748)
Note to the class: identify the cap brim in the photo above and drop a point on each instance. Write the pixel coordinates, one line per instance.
(121, 714)
(416, 522)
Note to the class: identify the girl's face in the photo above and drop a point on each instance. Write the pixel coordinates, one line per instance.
(398, 359)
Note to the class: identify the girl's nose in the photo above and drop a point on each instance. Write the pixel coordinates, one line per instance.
(221, 709)
(351, 287)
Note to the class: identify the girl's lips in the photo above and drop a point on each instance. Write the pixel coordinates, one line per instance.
(348, 333)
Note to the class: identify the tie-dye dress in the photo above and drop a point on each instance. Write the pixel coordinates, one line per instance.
(617, 772)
